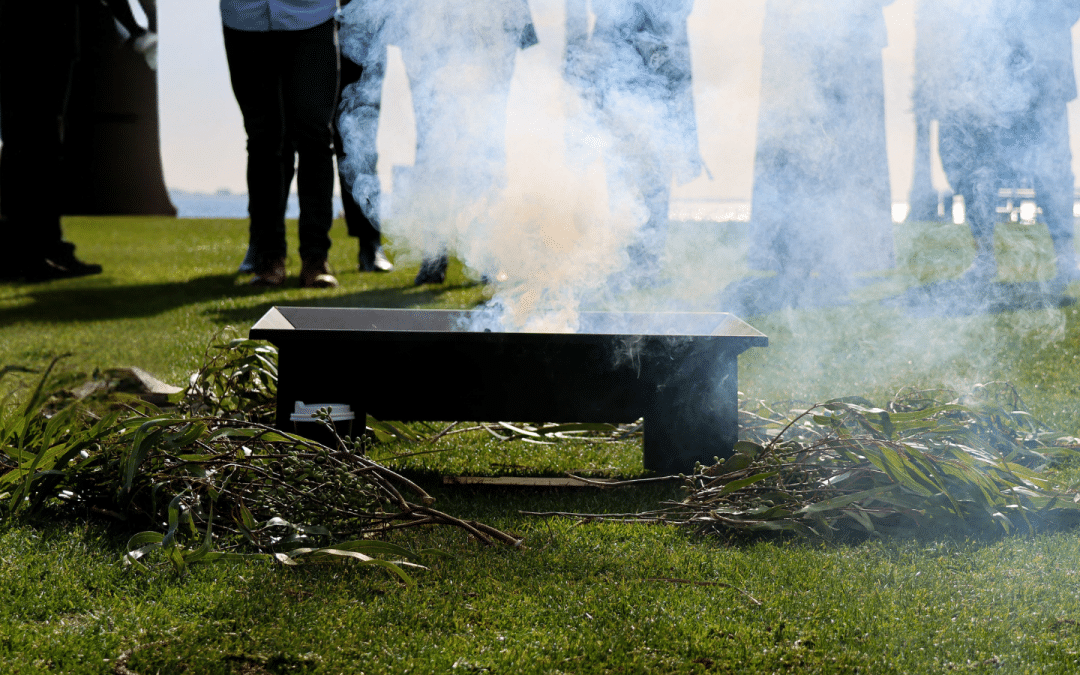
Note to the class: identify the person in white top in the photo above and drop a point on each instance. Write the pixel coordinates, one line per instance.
(283, 63)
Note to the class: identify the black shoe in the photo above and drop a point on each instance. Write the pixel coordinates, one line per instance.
(73, 267)
(45, 269)
(63, 256)
(374, 260)
(432, 271)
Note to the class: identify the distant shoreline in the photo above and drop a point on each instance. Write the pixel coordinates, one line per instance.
(225, 204)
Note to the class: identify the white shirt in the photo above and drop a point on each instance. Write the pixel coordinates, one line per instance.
(268, 15)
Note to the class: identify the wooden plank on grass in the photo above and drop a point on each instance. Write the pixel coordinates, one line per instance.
(523, 481)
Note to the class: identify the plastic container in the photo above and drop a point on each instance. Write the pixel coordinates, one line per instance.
(307, 424)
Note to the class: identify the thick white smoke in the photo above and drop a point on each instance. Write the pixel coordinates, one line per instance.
(553, 228)
(553, 223)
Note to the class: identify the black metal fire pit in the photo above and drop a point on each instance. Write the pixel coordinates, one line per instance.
(677, 370)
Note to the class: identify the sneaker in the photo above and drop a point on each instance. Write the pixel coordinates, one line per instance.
(271, 273)
(247, 266)
(374, 260)
(432, 271)
(315, 273)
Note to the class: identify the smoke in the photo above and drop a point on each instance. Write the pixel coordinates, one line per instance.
(559, 211)
(568, 222)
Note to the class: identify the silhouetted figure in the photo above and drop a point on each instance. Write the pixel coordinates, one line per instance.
(34, 90)
(363, 68)
(459, 58)
(1000, 97)
(821, 201)
(635, 70)
(283, 64)
(933, 40)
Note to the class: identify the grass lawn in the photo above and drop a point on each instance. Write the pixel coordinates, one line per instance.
(580, 596)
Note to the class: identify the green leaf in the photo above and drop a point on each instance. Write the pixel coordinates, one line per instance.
(745, 482)
(372, 548)
(846, 500)
(246, 518)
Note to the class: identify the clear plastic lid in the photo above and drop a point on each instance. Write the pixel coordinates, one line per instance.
(303, 412)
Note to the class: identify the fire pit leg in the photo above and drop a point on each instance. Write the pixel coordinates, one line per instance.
(694, 414)
(288, 388)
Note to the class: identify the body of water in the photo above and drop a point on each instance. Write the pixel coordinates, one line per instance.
(225, 204)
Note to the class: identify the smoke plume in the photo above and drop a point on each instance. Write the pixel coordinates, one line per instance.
(567, 219)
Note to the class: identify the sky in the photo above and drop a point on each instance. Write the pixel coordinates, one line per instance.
(202, 136)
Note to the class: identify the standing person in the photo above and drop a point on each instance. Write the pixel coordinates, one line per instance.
(459, 58)
(635, 69)
(1001, 99)
(935, 39)
(821, 200)
(33, 95)
(363, 68)
(283, 64)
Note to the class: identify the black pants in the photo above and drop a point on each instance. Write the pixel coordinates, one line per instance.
(359, 225)
(286, 84)
(33, 91)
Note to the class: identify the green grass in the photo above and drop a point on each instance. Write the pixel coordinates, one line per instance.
(580, 599)
(170, 284)
(581, 596)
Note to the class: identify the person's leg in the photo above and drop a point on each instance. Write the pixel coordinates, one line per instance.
(288, 171)
(310, 86)
(358, 108)
(1050, 161)
(253, 59)
(970, 157)
(654, 187)
(33, 91)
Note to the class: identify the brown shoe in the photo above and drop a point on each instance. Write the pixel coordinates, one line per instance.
(270, 273)
(315, 273)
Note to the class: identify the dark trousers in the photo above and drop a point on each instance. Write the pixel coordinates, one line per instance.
(286, 84)
(33, 92)
(359, 225)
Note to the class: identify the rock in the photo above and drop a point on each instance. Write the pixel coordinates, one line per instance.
(135, 381)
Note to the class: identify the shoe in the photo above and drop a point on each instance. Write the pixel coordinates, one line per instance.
(248, 264)
(374, 260)
(44, 269)
(315, 273)
(432, 271)
(60, 264)
(271, 273)
(62, 258)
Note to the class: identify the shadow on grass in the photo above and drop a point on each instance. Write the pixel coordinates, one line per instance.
(957, 298)
(53, 303)
(757, 296)
(63, 304)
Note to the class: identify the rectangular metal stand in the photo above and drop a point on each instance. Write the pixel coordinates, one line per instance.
(677, 370)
